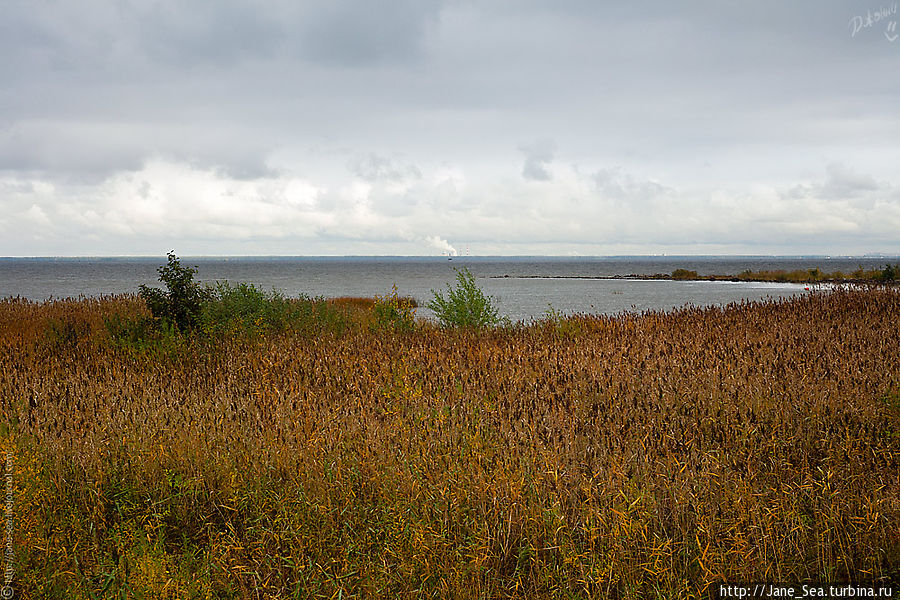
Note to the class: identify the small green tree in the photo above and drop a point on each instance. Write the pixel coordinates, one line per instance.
(465, 305)
(182, 303)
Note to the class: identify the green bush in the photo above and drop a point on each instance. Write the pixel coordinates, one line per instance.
(396, 312)
(244, 307)
(181, 304)
(187, 308)
(465, 305)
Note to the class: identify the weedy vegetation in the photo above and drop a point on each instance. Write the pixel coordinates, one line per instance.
(301, 448)
(682, 274)
(393, 311)
(888, 275)
(465, 305)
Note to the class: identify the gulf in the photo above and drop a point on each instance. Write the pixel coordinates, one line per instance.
(524, 288)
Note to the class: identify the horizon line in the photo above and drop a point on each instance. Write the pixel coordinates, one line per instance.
(458, 256)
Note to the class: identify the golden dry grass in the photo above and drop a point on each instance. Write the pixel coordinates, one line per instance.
(624, 457)
(353, 302)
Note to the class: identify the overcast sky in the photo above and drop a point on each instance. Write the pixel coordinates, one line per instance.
(416, 127)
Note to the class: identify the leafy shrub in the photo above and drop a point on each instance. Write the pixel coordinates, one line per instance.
(182, 303)
(465, 305)
(247, 309)
(393, 311)
(185, 307)
(244, 307)
(890, 272)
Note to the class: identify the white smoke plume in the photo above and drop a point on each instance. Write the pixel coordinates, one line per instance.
(442, 245)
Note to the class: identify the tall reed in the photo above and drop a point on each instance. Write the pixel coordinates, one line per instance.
(649, 454)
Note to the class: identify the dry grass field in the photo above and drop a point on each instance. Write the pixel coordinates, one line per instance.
(639, 456)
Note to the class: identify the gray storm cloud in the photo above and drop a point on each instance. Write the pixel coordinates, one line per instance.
(346, 126)
(538, 155)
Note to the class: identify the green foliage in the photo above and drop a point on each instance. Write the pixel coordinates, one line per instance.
(182, 303)
(465, 305)
(682, 274)
(567, 326)
(142, 335)
(863, 274)
(66, 333)
(891, 401)
(127, 330)
(319, 316)
(246, 309)
(186, 307)
(393, 311)
(890, 272)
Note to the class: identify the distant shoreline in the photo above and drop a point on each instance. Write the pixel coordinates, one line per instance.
(890, 275)
(632, 277)
(661, 277)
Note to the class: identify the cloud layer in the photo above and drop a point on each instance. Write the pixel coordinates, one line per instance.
(335, 128)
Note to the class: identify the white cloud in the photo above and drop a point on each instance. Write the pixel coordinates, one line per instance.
(604, 209)
(37, 217)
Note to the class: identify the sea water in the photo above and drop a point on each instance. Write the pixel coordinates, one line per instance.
(523, 288)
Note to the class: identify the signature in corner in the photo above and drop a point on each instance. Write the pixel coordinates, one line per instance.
(871, 18)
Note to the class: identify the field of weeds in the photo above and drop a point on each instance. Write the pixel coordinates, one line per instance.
(637, 456)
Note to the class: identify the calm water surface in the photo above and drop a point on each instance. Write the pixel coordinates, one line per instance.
(524, 287)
